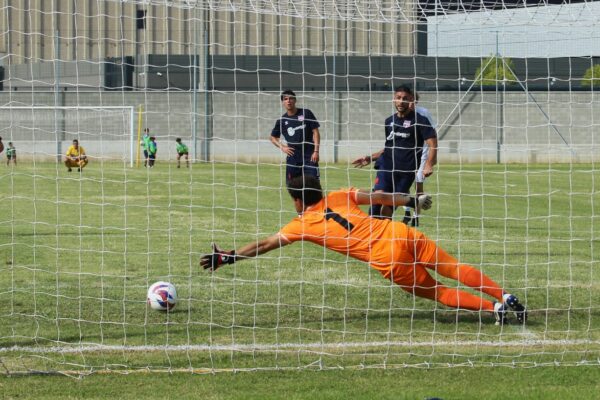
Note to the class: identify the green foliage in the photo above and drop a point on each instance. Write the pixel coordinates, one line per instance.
(495, 70)
(591, 78)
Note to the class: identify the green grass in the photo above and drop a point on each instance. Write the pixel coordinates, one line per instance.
(77, 254)
(399, 384)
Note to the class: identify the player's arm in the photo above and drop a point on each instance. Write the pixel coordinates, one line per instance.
(432, 157)
(219, 257)
(364, 197)
(69, 154)
(366, 160)
(317, 142)
(277, 143)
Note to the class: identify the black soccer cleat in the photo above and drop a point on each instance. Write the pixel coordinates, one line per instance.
(513, 303)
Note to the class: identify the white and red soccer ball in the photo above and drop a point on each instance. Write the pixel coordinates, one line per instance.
(162, 296)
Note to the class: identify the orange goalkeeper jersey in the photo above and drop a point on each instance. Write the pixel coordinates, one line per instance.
(337, 223)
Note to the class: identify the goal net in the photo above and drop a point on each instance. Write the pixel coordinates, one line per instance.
(515, 108)
(45, 132)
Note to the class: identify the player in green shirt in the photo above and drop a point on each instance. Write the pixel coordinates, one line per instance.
(145, 145)
(11, 154)
(182, 150)
(152, 149)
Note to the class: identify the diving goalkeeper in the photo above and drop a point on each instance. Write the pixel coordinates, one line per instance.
(400, 253)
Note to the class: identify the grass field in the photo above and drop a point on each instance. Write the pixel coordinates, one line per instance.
(78, 252)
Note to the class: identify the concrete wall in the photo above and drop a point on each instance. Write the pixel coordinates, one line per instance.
(543, 127)
(93, 30)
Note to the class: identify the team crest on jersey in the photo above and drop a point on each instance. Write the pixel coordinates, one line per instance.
(406, 124)
(300, 117)
(285, 123)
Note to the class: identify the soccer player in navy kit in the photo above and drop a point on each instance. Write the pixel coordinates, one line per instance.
(300, 128)
(405, 132)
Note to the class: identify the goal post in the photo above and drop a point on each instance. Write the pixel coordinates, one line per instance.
(104, 131)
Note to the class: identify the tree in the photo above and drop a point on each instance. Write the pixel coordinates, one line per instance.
(591, 78)
(495, 70)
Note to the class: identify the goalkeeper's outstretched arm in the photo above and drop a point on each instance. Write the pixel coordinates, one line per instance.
(253, 249)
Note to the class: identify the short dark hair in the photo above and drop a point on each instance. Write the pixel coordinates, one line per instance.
(287, 93)
(305, 188)
(404, 88)
(75, 141)
(178, 140)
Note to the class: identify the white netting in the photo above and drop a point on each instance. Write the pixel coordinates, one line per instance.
(514, 191)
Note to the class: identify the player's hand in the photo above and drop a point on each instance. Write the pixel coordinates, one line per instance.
(218, 257)
(427, 171)
(424, 202)
(287, 150)
(362, 162)
(315, 157)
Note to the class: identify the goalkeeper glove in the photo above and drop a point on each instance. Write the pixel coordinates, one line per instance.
(421, 202)
(217, 258)
(424, 201)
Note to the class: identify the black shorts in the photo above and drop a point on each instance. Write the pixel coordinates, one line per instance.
(183, 154)
(394, 181)
(308, 169)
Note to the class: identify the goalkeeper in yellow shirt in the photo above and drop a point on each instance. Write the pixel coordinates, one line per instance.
(76, 157)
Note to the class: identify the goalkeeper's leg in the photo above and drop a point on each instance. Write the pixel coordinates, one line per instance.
(416, 280)
(436, 258)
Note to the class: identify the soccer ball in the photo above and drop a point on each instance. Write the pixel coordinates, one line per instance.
(162, 296)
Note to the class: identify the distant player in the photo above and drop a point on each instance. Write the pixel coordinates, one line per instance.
(11, 154)
(152, 150)
(405, 134)
(400, 253)
(76, 157)
(145, 143)
(182, 151)
(300, 128)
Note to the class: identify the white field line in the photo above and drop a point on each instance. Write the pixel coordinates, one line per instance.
(526, 342)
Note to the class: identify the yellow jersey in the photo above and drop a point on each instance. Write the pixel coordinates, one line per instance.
(75, 152)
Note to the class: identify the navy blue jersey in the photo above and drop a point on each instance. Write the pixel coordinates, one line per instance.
(404, 138)
(298, 133)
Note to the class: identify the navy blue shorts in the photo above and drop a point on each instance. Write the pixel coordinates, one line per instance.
(308, 169)
(394, 182)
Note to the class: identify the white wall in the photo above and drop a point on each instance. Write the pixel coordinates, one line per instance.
(242, 122)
